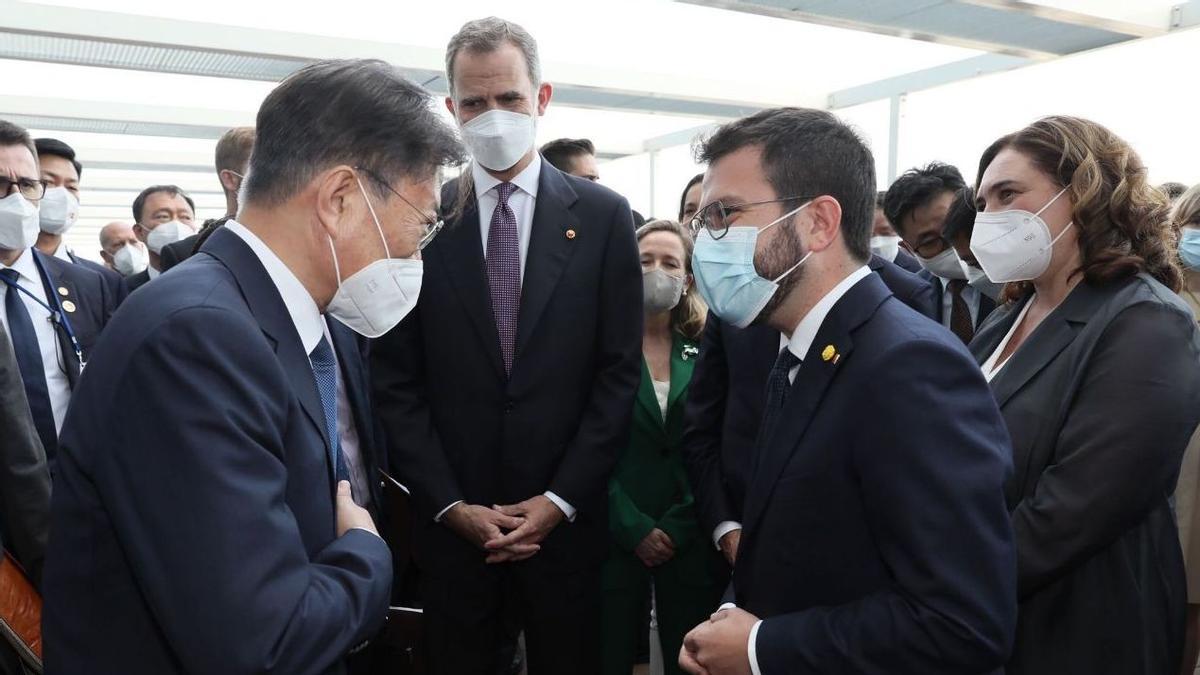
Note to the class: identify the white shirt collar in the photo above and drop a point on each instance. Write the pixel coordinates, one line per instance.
(299, 303)
(806, 330)
(152, 271)
(25, 266)
(526, 181)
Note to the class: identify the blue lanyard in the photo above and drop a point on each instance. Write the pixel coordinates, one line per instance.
(57, 316)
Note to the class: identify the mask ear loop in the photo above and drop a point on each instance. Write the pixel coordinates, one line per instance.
(793, 268)
(1069, 223)
(386, 252)
(793, 212)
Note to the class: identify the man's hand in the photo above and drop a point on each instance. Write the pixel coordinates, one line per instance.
(540, 516)
(720, 645)
(729, 545)
(655, 549)
(349, 514)
(479, 525)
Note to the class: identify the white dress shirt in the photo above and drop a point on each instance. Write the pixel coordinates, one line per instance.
(522, 201)
(56, 375)
(970, 295)
(154, 270)
(63, 254)
(799, 343)
(311, 326)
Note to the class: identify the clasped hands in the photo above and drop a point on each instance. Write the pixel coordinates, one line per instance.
(507, 533)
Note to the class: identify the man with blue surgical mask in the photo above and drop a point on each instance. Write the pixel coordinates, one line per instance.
(163, 214)
(917, 205)
(833, 573)
(225, 434)
(507, 396)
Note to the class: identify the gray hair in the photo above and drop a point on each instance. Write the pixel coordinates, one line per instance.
(487, 35)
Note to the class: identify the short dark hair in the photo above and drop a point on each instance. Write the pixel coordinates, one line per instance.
(562, 151)
(808, 153)
(880, 197)
(56, 148)
(961, 217)
(916, 188)
(140, 201)
(359, 112)
(683, 197)
(11, 134)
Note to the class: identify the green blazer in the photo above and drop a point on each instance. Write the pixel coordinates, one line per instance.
(650, 489)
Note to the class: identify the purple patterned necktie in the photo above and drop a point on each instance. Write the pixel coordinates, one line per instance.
(504, 272)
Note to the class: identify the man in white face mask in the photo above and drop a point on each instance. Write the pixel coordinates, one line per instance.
(247, 464)
(59, 209)
(163, 214)
(507, 403)
(917, 205)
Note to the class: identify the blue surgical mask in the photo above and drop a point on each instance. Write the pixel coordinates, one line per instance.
(726, 277)
(1189, 248)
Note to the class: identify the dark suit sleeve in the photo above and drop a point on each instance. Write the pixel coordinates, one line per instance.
(169, 256)
(582, 475)
(24, 477)
(412, 442)
(1120, 446)
(927, 480)
(703, 421)
(195, 487)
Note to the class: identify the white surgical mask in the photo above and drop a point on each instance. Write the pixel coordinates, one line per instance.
(886, 247)
(498, 139)
(59, 210)
(130, 259)
(945, 265)
(374, 299)
(660, 291)
(168, 233)
(1014, 245)
(18, 222)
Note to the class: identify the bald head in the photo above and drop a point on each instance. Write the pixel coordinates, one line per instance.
(112, 237)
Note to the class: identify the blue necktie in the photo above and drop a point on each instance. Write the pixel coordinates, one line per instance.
(325, 372)
(29, 362)
(778, 385)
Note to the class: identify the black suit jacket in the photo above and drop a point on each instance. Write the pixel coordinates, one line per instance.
(177, 251)
(136, 281)
(196, 526)
(876, 539)
(986, 304)
(1100, 400)
(458, 429)
(94, 303)
(24, 477)
(118, 289)
(728, 392)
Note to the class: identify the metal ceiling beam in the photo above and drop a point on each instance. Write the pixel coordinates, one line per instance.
(925, 79)
(125, 41)
(1072, 18)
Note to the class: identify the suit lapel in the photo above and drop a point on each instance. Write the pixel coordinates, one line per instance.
(461, 251)
(53, 284)
(683, 361)
(550, 247)
(818, 370)
(268, 309)
(645, 394)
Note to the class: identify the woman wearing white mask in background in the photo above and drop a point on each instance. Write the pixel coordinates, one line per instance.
(1095, 363)
(656, 542)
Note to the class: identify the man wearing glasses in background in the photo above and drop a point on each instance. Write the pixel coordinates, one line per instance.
(917, 205)
(53, 310)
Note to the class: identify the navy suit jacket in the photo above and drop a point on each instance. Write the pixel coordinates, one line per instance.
(116, 283)
(136, 281)
(906, 262)
(876, 537)
(459, 428)
(195, 498)
(94, 303)
(728, 392)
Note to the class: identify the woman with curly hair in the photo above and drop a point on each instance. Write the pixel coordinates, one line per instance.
(1095, 363)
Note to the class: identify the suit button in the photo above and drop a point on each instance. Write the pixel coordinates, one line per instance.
(508, 406)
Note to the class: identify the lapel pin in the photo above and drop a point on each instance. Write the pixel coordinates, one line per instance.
(570, 234)
(62, 290)
(830, 354)
(68, 306)
(690, 351)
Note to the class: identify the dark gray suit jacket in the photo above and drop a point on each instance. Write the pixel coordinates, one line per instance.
(1100, 401)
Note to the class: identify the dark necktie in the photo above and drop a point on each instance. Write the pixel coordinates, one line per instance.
(325, 372)
(778, 385)
(29, 362)
(504, 272)
(960, 315)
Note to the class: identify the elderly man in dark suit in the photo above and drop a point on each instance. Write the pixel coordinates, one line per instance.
(854, 487)
(227, 536)
(507, 396)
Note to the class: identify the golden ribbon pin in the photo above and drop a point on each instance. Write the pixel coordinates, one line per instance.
(830, 354)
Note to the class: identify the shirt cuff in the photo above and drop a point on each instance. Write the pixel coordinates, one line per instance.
(750, 649)
(725, 606)
(373, 534)
(443, 512)
(567, 509)
(723, 529)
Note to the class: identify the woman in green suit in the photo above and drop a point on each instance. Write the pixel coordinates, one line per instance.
(656, 538)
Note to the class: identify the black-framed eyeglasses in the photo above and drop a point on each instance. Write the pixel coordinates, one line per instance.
(715, 216)
(934, 247)
(29, 188)
(433, 225)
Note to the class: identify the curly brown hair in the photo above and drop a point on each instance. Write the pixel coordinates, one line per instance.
(1123, 222)
(688, 316)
